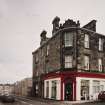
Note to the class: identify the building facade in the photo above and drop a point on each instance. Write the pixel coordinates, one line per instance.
(23, 87)
(71, 64)
(6, 88)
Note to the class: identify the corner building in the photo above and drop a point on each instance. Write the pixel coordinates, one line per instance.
(71, 64)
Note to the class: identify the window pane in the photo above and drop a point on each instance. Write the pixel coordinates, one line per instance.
(68, 39)
(100, 44)
(68, 61)
(96, 87)
(53, 95)
(47, 89)
(86, 62)
(86, 41)
(100, 64)
(48, 47)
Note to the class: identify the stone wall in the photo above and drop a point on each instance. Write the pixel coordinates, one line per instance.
(93, 52)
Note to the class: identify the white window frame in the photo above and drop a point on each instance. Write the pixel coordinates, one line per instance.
(86, 41)
(68, 61)
(96, 87)
(100, 44)
(86, 62)
(100, 64)
(68, 37)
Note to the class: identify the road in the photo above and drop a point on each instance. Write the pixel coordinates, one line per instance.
(23, 101)
(92, 103)
(34, 102)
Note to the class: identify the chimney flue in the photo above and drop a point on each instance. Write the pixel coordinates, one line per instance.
(43, 37)
(55, 23)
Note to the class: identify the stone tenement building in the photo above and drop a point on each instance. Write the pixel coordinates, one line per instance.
(71, 64)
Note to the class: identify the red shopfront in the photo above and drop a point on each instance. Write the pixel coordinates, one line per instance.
(66, 87)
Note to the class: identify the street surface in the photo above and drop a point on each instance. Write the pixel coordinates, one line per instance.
(24, 101)
(92, 103)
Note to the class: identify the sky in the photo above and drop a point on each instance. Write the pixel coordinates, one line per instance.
(21, 22)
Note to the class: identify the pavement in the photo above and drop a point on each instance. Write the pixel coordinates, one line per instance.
(40, 101)
(54, 102)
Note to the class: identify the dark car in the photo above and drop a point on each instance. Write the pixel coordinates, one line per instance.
(101, 96)
(1, 95)
(8, 98)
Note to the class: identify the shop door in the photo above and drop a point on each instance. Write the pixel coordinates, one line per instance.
(68, 92)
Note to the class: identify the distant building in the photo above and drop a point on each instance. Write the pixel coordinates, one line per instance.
(23, 87)
(6, 89)
(1, 88)
(18, 88)
(71, 64)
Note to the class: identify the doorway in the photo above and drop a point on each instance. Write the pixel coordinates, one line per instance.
(68, 91)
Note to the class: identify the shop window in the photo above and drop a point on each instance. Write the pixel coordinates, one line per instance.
(86, 62)
(100, 44)
(84, 89)
(96, 87)
(100, 64)
(54, 89)
(86, 41)
(47, 89)
(68, 61)
(101, 87)
(68, 39)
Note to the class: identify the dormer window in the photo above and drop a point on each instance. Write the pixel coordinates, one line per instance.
(100, 44)
(86, 41)
(68, 39)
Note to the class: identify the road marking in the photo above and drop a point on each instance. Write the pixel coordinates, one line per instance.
(23, 101)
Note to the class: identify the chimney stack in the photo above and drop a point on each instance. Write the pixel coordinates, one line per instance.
(43, 37)
(55, 23)
(91, 25)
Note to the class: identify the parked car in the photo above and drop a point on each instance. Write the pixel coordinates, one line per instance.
(8, 98)
(101, 96)
(1, 95)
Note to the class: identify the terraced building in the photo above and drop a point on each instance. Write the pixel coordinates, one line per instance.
(71, 64)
